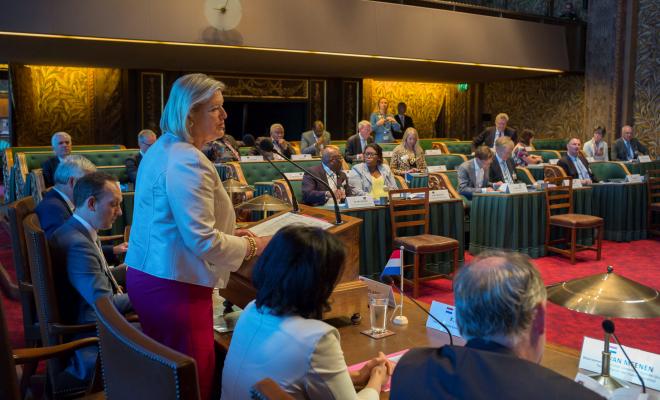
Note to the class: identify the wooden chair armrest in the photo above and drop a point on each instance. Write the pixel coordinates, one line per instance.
(23, 356)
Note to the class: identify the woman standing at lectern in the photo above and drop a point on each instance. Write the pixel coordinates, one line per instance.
(183, 242)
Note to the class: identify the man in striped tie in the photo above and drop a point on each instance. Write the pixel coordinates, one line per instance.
(80, 271)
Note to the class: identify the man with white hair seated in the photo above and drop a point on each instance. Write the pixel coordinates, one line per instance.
(501, 311)
(61, 143)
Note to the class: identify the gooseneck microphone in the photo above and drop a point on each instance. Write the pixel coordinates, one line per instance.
(266, 144)
(248, 140)
(294, 201)
(388, 280)
(608, 327)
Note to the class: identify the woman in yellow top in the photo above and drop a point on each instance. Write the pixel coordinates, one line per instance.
(408, 156)
(372, 177)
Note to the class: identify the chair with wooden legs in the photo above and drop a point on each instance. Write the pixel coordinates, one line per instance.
(560, 197)
(653, 192)
(408, 210)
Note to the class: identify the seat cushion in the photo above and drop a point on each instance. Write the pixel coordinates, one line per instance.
(425, 244)
(575, 220)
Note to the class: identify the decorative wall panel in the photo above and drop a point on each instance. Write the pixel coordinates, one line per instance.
(350, 112)
(647, 76)
(86, 102)
(151, 100)
(424, 100)
(317, 100)
(245, 87)
(551, 106)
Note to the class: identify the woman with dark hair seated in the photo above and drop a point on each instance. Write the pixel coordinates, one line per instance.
(520, 155)
(280, 334)
(372, 177)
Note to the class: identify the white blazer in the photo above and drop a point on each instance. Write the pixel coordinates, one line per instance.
(183, 219)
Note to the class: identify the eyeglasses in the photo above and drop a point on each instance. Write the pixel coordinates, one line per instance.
(370, 155)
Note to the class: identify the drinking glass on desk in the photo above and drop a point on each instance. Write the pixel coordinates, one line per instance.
(378, 313)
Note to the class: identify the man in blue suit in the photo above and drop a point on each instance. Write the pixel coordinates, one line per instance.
(81, 273)
(57, 206)
(61, 142)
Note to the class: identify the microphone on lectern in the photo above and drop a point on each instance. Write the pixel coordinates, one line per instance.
(608, 327)
(266, 144)
(388, 280)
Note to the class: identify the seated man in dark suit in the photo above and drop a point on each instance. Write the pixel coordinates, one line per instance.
(61, 142)
(473, 174)
(281, 145)
(81, 272)
(145, 139)
(501, 311)
(315, 194)
(491, 134)
(57, 206)
(356, 143)
(313, 141)
(502, 169)
(405, 121)
(627, 147)
(574, 163)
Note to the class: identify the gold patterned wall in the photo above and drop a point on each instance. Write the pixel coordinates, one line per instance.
(552, 106)
(86, 102)
(647, 76)
(425, 101)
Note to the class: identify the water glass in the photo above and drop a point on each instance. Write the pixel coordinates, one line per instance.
(378, 314)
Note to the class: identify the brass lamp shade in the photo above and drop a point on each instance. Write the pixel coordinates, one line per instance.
(233, 186)
(608, 295)
(265, 202)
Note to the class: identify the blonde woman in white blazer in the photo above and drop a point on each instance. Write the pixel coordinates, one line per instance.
(183, 242)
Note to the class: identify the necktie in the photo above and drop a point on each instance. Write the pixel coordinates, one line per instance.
(363, 143)
(479, 175)
(631, 155)
(106, 269)
(582, 170)
(505, 172)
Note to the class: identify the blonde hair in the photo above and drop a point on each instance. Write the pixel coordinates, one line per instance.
(404, 141)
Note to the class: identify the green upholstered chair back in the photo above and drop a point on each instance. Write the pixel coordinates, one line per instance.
(547, 155)
(427, 143)
(459, 147)
(452, 176)
(34, 160)
(524, 175)
(244, 151)
(262, 171)
(451, 161)
(388, 146)
(606, 170)
(118, 171)
(340, 144)
(550, 144)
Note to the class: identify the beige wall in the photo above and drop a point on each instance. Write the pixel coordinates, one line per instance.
(346, 26)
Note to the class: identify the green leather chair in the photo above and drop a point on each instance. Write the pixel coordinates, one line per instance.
(459, 147)
(550, 144)
(451, 161)
(547, 155)
(606, 170)
(452, 177)
(525, 176)
(427, 143)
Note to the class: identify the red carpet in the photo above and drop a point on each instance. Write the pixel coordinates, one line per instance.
(635, 260)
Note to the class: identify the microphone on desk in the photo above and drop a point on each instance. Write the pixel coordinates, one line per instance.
(248, 140)
(266, 144)
(294, 201)
(389, 281)
(608, 327)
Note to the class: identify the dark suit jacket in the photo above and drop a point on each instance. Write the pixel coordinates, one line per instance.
(408, 123)
(53, 212)
(314, 193)
(80, 280)
(487, 137)
(570, 168)
(480, 370)
(354, 147)
(496, 174)
(48, 168)
(286, 151)
(132, 164)
(619, 149)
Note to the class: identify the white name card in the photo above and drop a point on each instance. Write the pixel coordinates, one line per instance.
(380, 289)
(387, 154)
(301, 156)
(277, 157)
(360, 202)
(644, 159)
(251, 158)
(445, 314)
(591, 159)
(647, 364)
(436, 168)
(529, 148)
(553, 161)
(433, 152)
(576, 183)
(517, 188)
(439, 195)
(634, 178)
(294, 176)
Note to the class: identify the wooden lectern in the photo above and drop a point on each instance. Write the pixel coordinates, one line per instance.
(350, 295)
